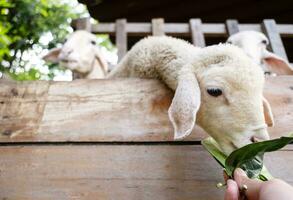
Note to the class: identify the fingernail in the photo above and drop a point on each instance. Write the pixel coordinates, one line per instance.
(240, 172)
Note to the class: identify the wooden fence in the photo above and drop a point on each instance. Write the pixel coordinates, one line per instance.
(111, 139)
(195, 28)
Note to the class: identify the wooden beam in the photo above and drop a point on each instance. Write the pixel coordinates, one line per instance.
(158, 27)
(183, 29)
(121, 38)
(118, 172)
(276, 44)
(109, 110)
(196, 32)
(232, 26)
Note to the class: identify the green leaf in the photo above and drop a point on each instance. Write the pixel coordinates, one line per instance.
(250, 157)
(213, 148)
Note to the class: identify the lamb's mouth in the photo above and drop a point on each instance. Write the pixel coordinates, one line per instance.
(67, 61)
(253, 139)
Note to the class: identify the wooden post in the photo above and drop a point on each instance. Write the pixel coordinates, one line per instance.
(269, 27)
(121, 37)
(83, 24)
(158, 27)
(232, 26)
(196, 32)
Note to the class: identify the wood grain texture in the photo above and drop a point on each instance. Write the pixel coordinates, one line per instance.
(121, 37)
(196, 32)
(123, 172)
(158, 27)
(109, 110)
(232, 26)
(276, 45)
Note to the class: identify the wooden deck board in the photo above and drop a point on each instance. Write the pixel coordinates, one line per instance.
(109, 110)
(105, 172)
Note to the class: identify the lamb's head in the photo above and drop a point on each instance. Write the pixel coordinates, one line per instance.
(254, 45)
(223, 94)
(78, 53)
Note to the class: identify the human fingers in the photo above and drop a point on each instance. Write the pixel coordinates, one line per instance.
(232, 191)
(253, 186)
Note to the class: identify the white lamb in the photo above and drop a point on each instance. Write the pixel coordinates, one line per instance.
(218, 87)
(81, 55)
(254, 45)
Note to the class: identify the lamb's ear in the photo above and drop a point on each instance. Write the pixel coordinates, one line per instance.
(102, 62)
(268, 113)
(52, 55)
(184, 106)
(276, 64)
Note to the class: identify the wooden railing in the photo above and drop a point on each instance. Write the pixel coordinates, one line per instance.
(195, 29)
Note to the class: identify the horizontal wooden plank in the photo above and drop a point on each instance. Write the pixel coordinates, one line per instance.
(123, 172)
(182, 29)
(109, 110)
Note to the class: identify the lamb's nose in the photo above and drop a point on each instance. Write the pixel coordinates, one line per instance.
(65, 53)
(254, 139)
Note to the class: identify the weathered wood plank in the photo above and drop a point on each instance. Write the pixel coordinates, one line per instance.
(196, 32)
(23, 112)
(276, 45)
(109, 110)
(118, 172)
(158, 27)
(121, 37)
(232, 26)
(182, 29)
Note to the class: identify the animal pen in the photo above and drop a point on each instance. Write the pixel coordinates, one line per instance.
(112, 139)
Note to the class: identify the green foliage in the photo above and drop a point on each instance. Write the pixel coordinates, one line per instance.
(213, 148)
(31, 74)
(22, 24)
(104, 40)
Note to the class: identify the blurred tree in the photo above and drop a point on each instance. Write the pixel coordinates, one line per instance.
(22, 24)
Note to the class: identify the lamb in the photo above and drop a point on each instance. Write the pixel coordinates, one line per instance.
(218, 87)
(81, 55)
(254, 45)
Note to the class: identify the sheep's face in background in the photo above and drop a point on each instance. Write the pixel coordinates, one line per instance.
(232, 107)
(254, 44)
(78, 53)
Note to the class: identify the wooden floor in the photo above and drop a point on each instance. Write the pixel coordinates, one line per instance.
(87, 142)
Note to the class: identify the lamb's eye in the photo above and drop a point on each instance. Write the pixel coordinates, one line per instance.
(265, 42)
(215, 92)
(93, 42)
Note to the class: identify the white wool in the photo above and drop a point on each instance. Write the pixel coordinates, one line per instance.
(234, 117)
(81, 55)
